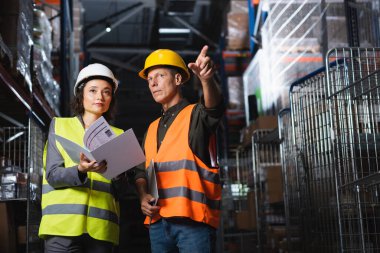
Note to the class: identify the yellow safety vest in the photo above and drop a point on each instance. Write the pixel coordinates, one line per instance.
(90, 207)
(187, 187)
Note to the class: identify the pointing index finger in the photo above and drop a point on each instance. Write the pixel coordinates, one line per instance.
(203, 52)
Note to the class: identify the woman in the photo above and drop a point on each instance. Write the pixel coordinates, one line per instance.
(79, 209)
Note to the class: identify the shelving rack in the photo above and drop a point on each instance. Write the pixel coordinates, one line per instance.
(24, 121)
(31, 114)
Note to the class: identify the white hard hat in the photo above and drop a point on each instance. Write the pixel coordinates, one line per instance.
(92, 70)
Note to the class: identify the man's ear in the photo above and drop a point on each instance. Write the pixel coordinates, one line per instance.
(178, 79)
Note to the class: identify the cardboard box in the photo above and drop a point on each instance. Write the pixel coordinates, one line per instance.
(275, 234)
(237, 26)
(7, 229)
(238, 6)
(251, 204)
(21, 234)
(244, 220)
(32, 236)
(274, 187)
(262, 122)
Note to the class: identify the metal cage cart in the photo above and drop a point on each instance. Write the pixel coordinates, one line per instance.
(21, 167)
(355, 116)
(267, 186)
(315, 171)
(293, 204)
(241, 226)
(335, 135)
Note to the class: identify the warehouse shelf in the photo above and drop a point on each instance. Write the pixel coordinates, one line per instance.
(235, 61)
(43, 105)
(21, 173)
(27, 109)
(15, 88)
(14, 200)
(19, 101)
(24, 120)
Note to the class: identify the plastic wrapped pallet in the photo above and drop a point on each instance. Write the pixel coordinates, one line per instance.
(235, 92)
(16, 18)
(237, 26)
(50, 88)
(77, 27)
(42, 33)
(55, 25)
(5, 54)
(43, 66)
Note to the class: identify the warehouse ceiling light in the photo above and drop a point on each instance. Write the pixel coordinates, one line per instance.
(108, 27)
(173, 30)
(14, 137)
(115, 24)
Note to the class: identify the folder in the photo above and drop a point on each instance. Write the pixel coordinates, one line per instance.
(152, 182)
(121, 153)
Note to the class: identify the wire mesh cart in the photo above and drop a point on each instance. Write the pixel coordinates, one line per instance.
(239, 208)
(354, 95)
(333, 150)
(291, 166)
(315, 170)
(267, 186)
(21, 172)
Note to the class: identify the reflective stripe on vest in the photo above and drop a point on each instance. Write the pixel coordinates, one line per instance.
(187, 187)
(96, 185)
(82, 210)
(72, 210)
(188, 165)
(190, 194)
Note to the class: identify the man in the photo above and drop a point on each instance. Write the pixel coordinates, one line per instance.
(177, 146)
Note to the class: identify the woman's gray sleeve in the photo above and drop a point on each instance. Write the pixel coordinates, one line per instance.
(56, 174)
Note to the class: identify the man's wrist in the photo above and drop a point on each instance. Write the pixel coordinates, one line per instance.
(208, 81)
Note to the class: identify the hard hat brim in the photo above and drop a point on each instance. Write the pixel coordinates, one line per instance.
(109, 80)
(93, 71)
(184, 73)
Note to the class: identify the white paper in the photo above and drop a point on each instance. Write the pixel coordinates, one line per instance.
(73, 149)
(121, 153)
(97, 134)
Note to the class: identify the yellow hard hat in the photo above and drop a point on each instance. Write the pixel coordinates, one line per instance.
(165, 57)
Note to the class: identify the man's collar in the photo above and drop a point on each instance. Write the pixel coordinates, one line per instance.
(176, 108)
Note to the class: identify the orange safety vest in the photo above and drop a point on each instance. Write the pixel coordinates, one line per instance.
(187, 187)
